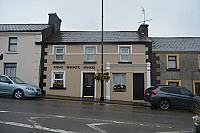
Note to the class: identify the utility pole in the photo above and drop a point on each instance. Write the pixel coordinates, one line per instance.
(102, 82)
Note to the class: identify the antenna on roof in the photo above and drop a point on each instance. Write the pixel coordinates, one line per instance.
(143, 11)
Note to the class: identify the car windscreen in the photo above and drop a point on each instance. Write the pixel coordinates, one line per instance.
(17, 80)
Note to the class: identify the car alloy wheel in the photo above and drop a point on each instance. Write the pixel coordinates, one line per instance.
(18, 94)
(164, 104)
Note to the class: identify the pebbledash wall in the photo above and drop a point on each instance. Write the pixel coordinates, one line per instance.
(75, 66)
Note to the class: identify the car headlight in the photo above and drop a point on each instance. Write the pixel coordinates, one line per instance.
(30, 89)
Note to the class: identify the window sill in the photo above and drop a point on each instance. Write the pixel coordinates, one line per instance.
(173, 69)
(11, 52)
(119, 91)
(58, 62)
(57, 88)
(90, 62)
(124, 62)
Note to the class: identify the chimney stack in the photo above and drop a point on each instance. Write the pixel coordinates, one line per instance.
(143, 29)
(55, 21)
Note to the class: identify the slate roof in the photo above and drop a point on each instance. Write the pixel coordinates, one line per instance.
(95, 36)
(22, 27)
(175, 43)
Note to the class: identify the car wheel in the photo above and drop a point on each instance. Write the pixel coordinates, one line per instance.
(18, 94)
(164, 104)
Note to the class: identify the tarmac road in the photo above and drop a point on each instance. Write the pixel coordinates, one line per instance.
(44, 115)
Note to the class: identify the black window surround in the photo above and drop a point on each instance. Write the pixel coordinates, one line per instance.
(122, 62)
(90, 62)
(57, 88)
(58, 62)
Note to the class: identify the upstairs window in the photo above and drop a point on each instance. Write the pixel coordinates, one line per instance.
(124, 54)
(12, 44)
(59, 55)
(90, 54)
(172, 61)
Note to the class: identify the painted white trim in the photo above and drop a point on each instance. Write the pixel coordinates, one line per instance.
(82, 72)
(84, 50)
(52, 77)
(108, 83)
(128, 71)
(61, 46)
(148, 74)
(144, 65)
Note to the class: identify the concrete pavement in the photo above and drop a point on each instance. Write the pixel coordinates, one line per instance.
(134, 102)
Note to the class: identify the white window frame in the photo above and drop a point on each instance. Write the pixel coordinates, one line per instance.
(121, 54)
(59, 54)
(53, 77)
(89, 54)
(113, 84)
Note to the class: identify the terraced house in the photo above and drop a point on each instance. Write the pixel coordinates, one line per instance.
(72, 58)
(65, 62)
(176, 61)
(19, 55)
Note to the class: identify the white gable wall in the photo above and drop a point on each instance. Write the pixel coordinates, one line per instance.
(27, 56)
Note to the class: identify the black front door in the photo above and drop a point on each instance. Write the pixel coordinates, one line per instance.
(88, 85)
(138, 86)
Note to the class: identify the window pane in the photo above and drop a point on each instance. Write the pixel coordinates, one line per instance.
(59, 57)
(13, 47)
(172, 58)
(10, 69)
(90, 57)
(90, 50)
(173, 83)
(124, 57)
(172, 64)
(119, 79)
(197, 88)
(59, 51)
(59, 76)
(124, 51)
(13, 40)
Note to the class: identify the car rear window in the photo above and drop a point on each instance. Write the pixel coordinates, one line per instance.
(150, 89)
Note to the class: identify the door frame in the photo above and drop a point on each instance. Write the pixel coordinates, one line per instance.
(195, 81)
(82, 87)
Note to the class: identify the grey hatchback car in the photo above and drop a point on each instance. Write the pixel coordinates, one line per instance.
(170, 96)
(10, 85)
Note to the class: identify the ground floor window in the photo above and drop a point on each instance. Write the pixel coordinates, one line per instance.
(173, 82)
(10, 69)
(119, 82)
(196, 87)
(58, 79)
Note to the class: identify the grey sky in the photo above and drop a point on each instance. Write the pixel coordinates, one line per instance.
(170, 17)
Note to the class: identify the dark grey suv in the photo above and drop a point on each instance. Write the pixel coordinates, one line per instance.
(169, 96)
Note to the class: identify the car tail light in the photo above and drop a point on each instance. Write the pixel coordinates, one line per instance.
(153, 93)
